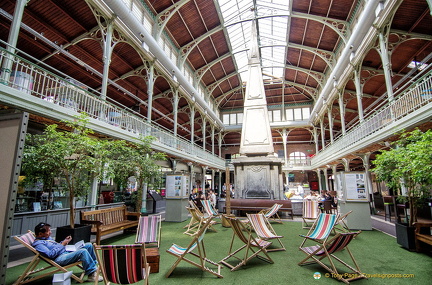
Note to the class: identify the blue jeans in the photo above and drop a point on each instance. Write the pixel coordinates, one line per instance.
(85, 254)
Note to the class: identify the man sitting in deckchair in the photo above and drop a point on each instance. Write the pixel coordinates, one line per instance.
(56, 251)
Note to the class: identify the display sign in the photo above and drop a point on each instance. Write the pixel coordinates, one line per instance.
(352, 186)
(176, 186)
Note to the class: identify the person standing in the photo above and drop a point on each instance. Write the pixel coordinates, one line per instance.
(212, 198)
(56, 251)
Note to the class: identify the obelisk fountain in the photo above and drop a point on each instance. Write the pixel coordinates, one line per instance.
(258, 172)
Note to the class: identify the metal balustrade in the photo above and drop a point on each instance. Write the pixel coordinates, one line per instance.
(57, 91)
(409, 100)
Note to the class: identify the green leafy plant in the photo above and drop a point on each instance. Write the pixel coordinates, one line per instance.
(138, 160)
(408, 165)
(73, 154)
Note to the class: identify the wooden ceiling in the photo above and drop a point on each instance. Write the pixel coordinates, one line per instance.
(72, 26)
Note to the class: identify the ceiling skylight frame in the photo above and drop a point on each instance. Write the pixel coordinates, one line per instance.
(272, 22)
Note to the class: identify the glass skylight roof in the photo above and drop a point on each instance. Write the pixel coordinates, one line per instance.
(272, 16)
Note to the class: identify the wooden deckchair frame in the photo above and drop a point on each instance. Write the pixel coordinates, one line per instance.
(149, 230)
(31, 273)
(141, 265)
(328, 249)
(209, 209)
(321, 229)
(341, 224)
(251, 246)
(264, 230)
(272, 213)
(196, 222)
(196, 244)
(310, 213)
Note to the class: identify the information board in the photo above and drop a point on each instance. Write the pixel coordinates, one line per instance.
(351, 186)
(176, 186)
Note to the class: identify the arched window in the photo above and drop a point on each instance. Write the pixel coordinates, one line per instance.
(297, 158)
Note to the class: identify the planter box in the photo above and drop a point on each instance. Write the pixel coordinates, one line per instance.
(80, 232)
(405, 236)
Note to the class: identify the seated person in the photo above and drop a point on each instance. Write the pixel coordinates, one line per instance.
(312, 196)
(56, 251)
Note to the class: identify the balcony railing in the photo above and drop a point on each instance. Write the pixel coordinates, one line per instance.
(417, 96)
(57, 90)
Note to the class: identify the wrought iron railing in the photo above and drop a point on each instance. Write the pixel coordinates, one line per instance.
(39, 80)
(407, 100)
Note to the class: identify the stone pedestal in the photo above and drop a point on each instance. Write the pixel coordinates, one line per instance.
(258, 177)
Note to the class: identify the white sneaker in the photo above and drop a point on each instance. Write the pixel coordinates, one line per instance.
(94, 277)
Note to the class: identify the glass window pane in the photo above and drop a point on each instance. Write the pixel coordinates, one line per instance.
(306, 113)
(289, 114)
(240, 118)
(276, 115)
(297, 115)
(233, 119)
(225, 119)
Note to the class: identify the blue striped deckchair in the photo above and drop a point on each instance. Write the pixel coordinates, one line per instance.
(195, 249)
(271, 214)
(209, 209)
(122, 264)
(264, 230)
(149, 229)
(321, 229)
(318, 253)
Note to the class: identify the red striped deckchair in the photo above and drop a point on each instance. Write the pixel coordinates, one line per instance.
(271, 214)
(264, 230)
(122, 264)
(209, 209)
(321, 229)
(251, 246)
(195, 250)
(310, 212)
(149, 229)
(318, 253)
(34, 272)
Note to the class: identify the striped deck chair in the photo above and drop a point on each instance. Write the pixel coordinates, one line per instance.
(310, 212)
(32, 272)
(149, 229)
(209, 209)
(321, 229)
(122, 264)
(251, 246)
(195, 250)
(264, 230)
(318, 253)
(196, 222)
(271, 214)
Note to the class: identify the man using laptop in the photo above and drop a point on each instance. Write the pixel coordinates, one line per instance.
(56, 251)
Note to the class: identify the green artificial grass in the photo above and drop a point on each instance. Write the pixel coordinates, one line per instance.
(376, 253)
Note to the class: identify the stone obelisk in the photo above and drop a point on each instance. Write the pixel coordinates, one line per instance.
(258, 172)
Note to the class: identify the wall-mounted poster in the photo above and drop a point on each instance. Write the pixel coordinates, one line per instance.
(176, 186)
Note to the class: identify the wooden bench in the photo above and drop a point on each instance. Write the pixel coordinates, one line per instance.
(106, 221)
(422, 234)
(257, 205)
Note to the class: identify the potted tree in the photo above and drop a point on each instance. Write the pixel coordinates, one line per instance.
(138, 160)
(73, 155)
(407, 168)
